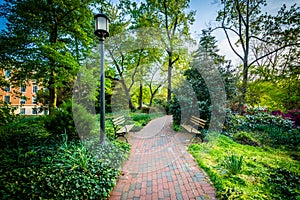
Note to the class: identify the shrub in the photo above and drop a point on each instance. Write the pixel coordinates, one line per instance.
(175, 110)
(145, 109)
(284, 184)
(6, 113)
(61, 121)
(261, 119)
(233, 164)
(268, 129)
(23, 133)
(293, 115)
(255, 122)
(245, 138)
(279, 136)
(255, 110)
(142, 118)
(164, 104)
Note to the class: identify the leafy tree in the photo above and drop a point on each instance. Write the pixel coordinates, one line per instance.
(155, 80)
(45, 40)
(244, 20)
(174, 21)
(129, 47)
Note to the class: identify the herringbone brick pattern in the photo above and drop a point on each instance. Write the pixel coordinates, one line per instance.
(159, 167)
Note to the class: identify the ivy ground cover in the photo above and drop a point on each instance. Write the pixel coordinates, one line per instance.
(38, 165)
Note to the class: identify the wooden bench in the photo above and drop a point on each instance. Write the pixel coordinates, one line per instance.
(193, 124)
(120, 127)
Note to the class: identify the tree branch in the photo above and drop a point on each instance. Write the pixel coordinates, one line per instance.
(250, 12)
(271, 52)
(174, 60)
(240, 25)
(233, 49)
(227, 36)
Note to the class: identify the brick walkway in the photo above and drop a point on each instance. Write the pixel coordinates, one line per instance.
(159, 167)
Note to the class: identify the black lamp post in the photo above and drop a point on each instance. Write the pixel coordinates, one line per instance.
(102, 31)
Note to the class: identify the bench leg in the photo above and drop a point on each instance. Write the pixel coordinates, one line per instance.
(123, 138)
(197, 136)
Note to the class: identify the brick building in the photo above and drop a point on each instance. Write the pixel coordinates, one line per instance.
(23, 97)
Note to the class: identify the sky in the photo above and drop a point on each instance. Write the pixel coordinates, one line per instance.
(206, 13)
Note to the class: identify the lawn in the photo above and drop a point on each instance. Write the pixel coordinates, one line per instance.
(266, 173)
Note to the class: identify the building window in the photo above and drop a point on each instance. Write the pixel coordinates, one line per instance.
(22, 111)
(35, 89)
(46, 112)
(34, 111)
(7, 99)
(7, 88)
(7, 73)
(22, 100)
(34, 100)
(23, 88)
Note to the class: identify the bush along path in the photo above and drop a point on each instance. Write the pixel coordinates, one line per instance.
(159, 167)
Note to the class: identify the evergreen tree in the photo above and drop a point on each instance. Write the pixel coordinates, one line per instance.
(206, 76)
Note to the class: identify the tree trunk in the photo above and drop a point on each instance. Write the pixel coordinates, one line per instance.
(52, 81)
(52, 93)
(169, 77)
(130, 104)
(244, 87)
(141, 96)
(151, 100)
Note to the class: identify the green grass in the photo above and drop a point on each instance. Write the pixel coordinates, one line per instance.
(263, 174)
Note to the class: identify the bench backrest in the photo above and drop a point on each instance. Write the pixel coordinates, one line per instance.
(197, 121)
(119, 121)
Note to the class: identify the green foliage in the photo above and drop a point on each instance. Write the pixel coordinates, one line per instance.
(194, 95)
(175, 110)
(284, 184)
(59, 34)
(263, 170)
(245, 138)
(279, 32)
(278, 136)
(266, 128)
(6, 113)
(255, 122)
(164, 104)
(37, 165)
(233, 164)
(261, 119)
(174, 18)
(61, 121)
(141, 119)
(267, 94)
(176, 127)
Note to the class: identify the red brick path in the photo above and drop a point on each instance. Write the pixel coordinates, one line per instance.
(159, 167)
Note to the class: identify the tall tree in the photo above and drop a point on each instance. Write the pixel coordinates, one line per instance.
(155, 80)
(244, 20)
(45, 40)
(174, 21)
(129, 48)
